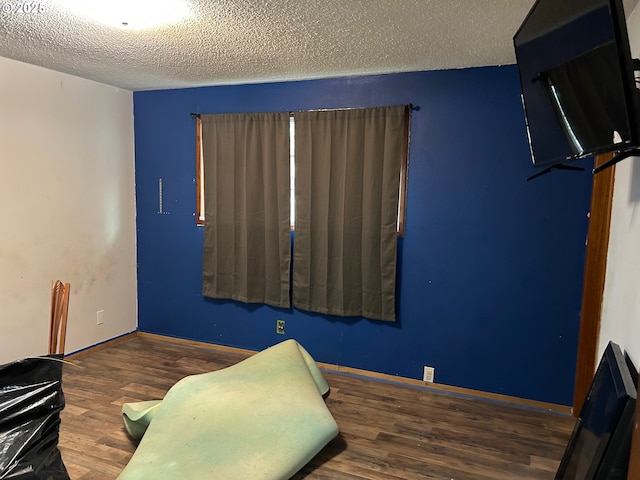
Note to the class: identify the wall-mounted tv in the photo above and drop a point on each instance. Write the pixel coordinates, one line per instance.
(601, 441)
(577, 80)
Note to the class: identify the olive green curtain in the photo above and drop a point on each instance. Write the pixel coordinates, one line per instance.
(346, 191)
(247, 241)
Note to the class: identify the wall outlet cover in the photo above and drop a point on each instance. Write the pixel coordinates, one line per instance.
(428, 374)
(280, 327)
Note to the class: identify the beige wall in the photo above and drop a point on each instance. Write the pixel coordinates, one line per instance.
(67, 207)
(621, 306)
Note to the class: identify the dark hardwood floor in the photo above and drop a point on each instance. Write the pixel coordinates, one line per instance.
(386, 431)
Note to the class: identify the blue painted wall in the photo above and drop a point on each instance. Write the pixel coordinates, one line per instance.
(490, 271)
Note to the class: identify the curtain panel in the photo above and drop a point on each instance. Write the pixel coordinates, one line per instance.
(346, 192)
(247, 240)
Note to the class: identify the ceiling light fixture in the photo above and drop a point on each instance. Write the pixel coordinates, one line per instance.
(130, 14)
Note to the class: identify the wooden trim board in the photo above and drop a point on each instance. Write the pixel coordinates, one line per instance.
(448, 389)
(376, 376)
(593, 284)
(100, 346)
(195, 343)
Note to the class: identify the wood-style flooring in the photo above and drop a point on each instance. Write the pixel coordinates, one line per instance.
(387, 431)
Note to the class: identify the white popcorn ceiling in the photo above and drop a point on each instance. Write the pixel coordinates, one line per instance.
(254, 41)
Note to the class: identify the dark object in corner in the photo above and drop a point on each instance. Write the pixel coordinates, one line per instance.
(601, 441)
(31, 400)
(577, 78)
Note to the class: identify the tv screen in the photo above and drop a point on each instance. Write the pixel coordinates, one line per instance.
(577, 81)
(601, 441)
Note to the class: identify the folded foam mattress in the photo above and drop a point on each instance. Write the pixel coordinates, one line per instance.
(263, 418)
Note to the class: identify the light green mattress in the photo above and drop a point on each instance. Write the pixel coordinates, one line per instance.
(263, 418)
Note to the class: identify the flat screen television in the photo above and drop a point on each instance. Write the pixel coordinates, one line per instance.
(577, 79)
(600, 444)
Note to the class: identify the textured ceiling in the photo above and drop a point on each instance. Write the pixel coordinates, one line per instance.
(252, 41)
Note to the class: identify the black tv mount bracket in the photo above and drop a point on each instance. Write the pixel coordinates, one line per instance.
(559, 166)
(634, 152)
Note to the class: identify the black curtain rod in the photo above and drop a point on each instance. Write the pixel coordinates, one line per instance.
(410, 105)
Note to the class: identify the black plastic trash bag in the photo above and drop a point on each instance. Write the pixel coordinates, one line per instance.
(31, 400)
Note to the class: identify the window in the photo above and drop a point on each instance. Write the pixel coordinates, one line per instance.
(292, 171)
(199, 174)
(348, 169)
(200, 211)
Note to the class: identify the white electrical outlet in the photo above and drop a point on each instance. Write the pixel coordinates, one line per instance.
(100, 317)
(428, 374)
